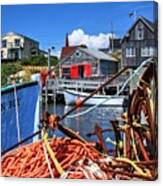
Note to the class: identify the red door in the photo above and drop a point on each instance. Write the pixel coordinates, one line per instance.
(87, 70)
(74, 72)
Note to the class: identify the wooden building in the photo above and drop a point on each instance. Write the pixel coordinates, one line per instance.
(79, 62)
(139, 43)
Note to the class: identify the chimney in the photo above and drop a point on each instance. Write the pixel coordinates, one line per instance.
(67, 41)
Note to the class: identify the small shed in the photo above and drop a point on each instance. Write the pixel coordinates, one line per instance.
(84, 62)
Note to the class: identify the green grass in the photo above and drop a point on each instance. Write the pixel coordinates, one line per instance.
(8, 68)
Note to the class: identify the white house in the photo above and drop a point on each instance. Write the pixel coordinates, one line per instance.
(15, 46)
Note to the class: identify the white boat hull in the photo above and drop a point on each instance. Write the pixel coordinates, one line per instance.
(71, 98)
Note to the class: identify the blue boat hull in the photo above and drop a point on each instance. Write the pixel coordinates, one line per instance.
(27, 98)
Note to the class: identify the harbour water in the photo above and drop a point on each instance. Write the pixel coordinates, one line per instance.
(85, 124)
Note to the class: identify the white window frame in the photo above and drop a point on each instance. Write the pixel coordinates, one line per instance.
(151, 51)
(130, 52)
(147, 51)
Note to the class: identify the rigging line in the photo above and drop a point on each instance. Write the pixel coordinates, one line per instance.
(17, 113)
(120, 91)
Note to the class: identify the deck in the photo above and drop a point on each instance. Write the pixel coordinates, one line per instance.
(57, 86)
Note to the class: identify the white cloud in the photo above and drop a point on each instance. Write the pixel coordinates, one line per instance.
(57, 53)
(78, 37)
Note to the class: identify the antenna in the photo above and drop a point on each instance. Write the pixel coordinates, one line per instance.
(133, 14)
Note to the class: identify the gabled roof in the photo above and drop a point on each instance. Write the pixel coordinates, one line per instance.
(67, 51)
(92, 52)
(21, 35)
(98, 54)
(148, 23)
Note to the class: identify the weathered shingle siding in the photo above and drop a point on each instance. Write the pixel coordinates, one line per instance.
(99, 67)
(132, 41)
(108, 67)
(80, 58)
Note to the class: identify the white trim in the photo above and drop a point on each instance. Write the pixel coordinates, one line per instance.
(130, 52)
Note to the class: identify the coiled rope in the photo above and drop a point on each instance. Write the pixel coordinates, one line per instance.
(118, 93)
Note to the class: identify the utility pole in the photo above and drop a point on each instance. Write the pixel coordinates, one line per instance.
(49, 68)
(112, 32)
(49, 65)
(49, 53)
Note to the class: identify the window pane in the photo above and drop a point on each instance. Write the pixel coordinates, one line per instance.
(1, 54)
(4, 43)
(127, 52)
(130, 52)
(151, 51)
(147, 51)
(140, 32)
(17, 42)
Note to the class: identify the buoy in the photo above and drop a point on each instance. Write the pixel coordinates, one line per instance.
(78, 102)
(124, 116)
(43, 76)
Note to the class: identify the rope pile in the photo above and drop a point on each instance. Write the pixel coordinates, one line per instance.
(29, 160)
(78, 160)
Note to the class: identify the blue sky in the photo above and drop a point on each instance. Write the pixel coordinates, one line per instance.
(48, 23)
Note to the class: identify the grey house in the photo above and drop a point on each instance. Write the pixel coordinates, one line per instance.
(139, 43)
(82, 62)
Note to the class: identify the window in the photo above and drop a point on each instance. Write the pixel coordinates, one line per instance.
(66, 70)
(77, 54)
(151, 51)
(130, 52)
(4, 43)
(34, 52)
(1, 54)
(140, 33)
(147, 51)
(17, 42)
(94, 68)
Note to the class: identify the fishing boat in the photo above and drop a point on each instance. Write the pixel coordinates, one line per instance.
(19, 112)
(72, 97)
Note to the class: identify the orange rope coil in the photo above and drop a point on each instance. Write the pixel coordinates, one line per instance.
(78, 160)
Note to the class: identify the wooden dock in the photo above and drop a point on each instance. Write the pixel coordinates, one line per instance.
(59, 85)
(54, 89)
